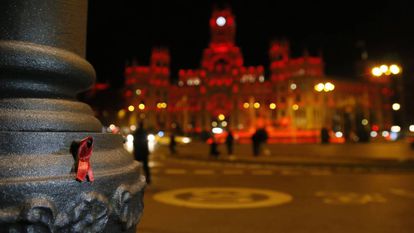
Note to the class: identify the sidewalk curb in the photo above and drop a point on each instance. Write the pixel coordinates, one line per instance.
(406, 165)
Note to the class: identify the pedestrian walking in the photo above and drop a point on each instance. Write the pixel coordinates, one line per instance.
(173, 144)
(324, 136)
(258, 138)
(213, 147)
(141, 151)
(230, 142)
(256, 144)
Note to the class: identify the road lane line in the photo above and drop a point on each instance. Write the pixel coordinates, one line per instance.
(350, 198)
(204, 172)
(154, 164)
(233, 172)
(175, 171)
(262, 172)
(402, 193)
(320, 173)
(290, 173)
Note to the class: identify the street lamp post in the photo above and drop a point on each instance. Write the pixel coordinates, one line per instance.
(58, 172)
(397, 100)
(326, 87)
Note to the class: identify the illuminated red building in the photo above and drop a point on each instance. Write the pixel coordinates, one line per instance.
(294, 102)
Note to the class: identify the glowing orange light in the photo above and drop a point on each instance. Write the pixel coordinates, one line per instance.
(329, 87)
(221, 117)
(121, 113)
(376, 71)
(384, 68)
(394, 69)
(319, 87)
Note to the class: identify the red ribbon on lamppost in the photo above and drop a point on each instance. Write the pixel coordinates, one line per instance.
(83, 156)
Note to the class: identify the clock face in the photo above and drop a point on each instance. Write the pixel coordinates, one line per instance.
(221, 21)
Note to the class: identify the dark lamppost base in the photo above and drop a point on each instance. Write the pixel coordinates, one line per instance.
(41, 70)
(39, 190)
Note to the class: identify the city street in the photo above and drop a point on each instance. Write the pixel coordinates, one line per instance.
(206, 116)
(204, 197)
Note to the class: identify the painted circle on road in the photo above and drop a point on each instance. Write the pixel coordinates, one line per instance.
(222, 198)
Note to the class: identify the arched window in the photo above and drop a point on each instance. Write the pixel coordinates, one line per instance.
(221, 64)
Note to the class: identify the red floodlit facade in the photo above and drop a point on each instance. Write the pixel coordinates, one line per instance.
(224, 92)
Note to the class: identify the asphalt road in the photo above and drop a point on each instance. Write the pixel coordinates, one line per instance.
(199, 197)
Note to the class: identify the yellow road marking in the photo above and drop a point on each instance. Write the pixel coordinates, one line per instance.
(289, 173)
(350, 198)
(175, 171)
(222, 198)
(204, 172)
(233, 172)
(262, 172)
(402, 193)
(320, 173)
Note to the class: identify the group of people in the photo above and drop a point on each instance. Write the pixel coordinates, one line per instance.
(258, 139)
(214, 145)
(141, 150)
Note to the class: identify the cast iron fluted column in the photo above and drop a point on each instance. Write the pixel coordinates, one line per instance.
(42, 68)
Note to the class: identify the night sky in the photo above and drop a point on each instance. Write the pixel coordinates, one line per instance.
(121, 30)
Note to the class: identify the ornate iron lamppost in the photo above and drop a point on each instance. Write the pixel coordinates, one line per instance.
(42, 68)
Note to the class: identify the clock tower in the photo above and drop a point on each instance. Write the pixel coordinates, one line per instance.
(222, 26)
(222, 55)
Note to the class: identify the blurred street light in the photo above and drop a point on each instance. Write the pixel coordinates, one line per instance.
(326, 87)
(141, 106)
(131, 108)
(121, 113)
(396, 106)
(319, 87)
(364, 122)
(221, 117)
(395, 69)
(159, 105)
(376, 71)
(395, 128)
(339, 134)
(272, 106)
(383, 69)
(217, 130)
(329, 87)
